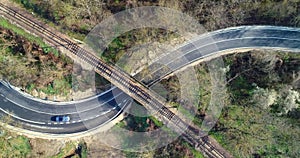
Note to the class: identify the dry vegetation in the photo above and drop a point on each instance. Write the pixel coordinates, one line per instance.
(13, 145)
(32, 66)
(248, 127)
(81, 16)
(262, 119)
(261, 116)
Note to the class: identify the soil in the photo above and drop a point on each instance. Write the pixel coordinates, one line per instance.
(45, 148)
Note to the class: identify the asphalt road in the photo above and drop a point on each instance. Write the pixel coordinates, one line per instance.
(35, 114)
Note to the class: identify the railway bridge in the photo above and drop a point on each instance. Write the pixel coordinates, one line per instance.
(135, 89)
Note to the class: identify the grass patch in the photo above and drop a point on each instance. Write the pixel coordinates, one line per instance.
(65, 151)
(156, 121)
(195, 152)
(14, 146)
(58, 86)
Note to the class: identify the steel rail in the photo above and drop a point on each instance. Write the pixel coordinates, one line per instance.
(128, 84)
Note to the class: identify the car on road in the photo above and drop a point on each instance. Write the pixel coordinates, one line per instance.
(62, 118)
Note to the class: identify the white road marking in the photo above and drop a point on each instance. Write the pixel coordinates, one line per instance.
(103, 113)
(44, 123)
(51, 102)
(17, 117)
(43, 126)
(41, 112)
(214, 42)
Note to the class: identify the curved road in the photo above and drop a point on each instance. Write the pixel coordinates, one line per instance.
(35, 114)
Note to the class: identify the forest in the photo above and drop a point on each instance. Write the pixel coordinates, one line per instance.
(261, 118)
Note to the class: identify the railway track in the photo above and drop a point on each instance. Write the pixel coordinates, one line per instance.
(122, 80)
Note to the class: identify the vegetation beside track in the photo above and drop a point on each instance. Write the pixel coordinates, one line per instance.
(27, 62)
(261, 118)
(242, 112)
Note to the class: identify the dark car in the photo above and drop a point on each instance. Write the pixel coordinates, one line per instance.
(62, 118)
